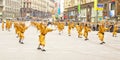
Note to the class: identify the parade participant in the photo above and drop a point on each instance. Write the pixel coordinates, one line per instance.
(2, 25)
(80, 31)
(115, 30)
(60, 26)
(77, 28)
(16, 27)
(43, 31)
(21, 32)
(7, 23)
(38, 26)
(10, 25)
(102, 29)
(86, 30)
(70, 26)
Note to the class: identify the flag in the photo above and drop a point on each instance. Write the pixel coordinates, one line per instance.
(59, 11)
(95, 4)
(79, 7)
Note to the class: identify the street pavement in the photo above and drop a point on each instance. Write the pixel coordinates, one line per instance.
(58, 47)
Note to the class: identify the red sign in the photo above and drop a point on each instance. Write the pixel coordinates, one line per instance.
(113, 0)
(65, 17)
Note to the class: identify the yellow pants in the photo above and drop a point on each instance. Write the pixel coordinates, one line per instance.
(86, 35)
(2, 27)
(59, 29)
(101, 36)
(42, 40)
(114, 33)
(69, 31)
(79, 34)
(6, 27)
(16, 31)
(21, 36)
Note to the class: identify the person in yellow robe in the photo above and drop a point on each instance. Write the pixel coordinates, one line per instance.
(115, 30)
(21, 32)
(43, 31)
(80, 31)
(60, 26)
(102, 29)
(10, 25)
(7, 23)
(2, 25)
(70, 26)
(77, 28)
(17, 29)
(86, 30)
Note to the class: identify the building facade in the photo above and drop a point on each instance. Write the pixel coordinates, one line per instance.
(71, 10)
(111, 10)
(9, 9)
(37, 8)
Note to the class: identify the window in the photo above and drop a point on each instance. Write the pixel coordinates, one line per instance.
(113, 6)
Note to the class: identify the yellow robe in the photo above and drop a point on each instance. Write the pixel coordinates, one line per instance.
(80, 31)
(115, 30)
(22, 30)
(102, 29)
(77, 27)
(60, 26)
(86, 30)
(43, 32)
(7, 23)
(70, 26)
(2, 25)
(16, 27)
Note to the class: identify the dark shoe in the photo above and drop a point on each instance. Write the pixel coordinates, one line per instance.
(59, 33)
(80, 37)
(102, 43)
(86, 39)
(43, 50)
(39, 48)
(22, 43)
(19, 41)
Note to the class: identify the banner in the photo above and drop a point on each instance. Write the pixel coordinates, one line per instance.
(95, 4)
(59, 11)
(79, 8)
(100, 7)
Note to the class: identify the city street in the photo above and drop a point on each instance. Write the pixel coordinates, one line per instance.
(58, 47)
